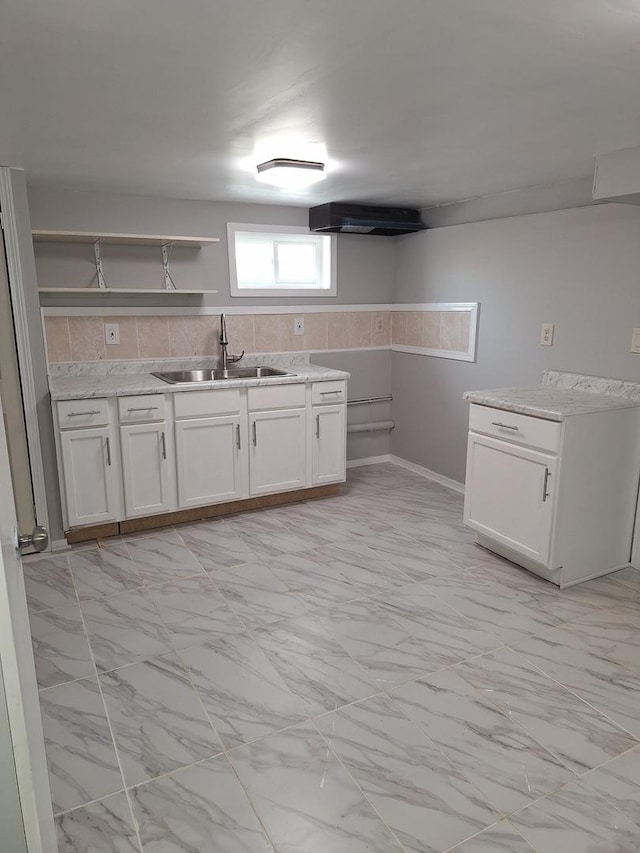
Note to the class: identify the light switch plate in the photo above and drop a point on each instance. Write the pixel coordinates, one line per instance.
(111, 334)
(635, 341)
(546, 335)
(298, 325)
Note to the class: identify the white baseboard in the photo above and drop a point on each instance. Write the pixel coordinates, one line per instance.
(60, 545)
(447, 482)
(369, 460)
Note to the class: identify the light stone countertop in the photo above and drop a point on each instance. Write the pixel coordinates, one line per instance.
(87, 386)
(548, 401)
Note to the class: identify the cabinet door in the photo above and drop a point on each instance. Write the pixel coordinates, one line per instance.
(210, 453)
(329, 460)
(277, 457)
(509, 495)
(145, 469)
(89, 480)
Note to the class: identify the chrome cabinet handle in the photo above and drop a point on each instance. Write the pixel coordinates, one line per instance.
(255, 435)
(142, 409)
(504, 426)
(545, 493)
(163, 442)
(327, 393)
(83, 414)
(108, 447)
(317, 426)
(238, 436)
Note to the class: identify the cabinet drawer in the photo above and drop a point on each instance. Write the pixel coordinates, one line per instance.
(521, 429)
(143, 407)
(276, 397)
(329, 392)
(195, 404)
(73, 414)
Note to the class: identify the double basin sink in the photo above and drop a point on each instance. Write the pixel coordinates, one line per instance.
(210, 375)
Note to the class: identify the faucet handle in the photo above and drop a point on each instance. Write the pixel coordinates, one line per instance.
(234, 358)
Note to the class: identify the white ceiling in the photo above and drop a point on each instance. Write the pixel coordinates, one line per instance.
(417, 101)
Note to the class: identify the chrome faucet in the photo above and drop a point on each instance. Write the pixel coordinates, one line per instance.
(224, 343)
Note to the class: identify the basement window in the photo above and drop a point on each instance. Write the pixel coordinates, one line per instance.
(278, 260)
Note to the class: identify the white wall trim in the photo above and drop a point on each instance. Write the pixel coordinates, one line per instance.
(437, 353)
(199, 310)
(25, 362)
(447, 482)
(368, 460)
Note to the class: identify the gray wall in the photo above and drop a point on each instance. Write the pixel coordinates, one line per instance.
(365, 264)
(579, 269)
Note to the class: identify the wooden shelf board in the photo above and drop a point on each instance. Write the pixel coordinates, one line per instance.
(44, 236)
(90, 291)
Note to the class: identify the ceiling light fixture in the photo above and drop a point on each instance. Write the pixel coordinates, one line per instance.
(290, 174)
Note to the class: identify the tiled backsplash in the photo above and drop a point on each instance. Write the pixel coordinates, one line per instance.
(81, 338)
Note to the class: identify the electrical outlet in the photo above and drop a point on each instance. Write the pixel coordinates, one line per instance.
(111, 334)
(298, 325)
(635, 341)
(379, 325)
(546, 335)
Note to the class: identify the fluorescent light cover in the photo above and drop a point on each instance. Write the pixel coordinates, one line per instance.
(290, 174)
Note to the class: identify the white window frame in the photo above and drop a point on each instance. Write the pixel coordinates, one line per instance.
(284, 230)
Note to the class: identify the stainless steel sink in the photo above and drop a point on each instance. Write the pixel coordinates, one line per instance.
(176, 377)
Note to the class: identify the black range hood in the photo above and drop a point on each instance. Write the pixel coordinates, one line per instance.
(345, 218)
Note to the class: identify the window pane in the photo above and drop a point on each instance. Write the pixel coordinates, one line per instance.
(296, 262)
(254, 263)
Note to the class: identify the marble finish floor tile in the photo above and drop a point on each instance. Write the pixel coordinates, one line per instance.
(305, 799)
(157, 718)
(501, 838)
(48, 582)
(202, 809)
(103, 570)
(266, 537)
(193, 611)
(80, 753)
(240, 689)
(572, 730)
(161, 557)
(567, 657)
(501, 759)
(123, 629)
(216, 546)
(313, 665)
(60, 646)
(257, 595)
(105, 826)
(619, 782)
(576, 819)
(427, 803)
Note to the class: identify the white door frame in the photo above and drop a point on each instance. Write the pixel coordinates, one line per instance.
(12, 239)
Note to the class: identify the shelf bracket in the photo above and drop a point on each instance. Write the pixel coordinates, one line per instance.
(102, 284)
(168, 281)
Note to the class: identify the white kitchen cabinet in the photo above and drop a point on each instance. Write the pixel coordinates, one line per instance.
(146, 469)
(90, 480)
(510, 493)
(555, 497)
(210, 454)
(328, 455)
(277, 451)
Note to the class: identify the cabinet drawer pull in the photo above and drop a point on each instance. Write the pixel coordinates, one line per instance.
(238, 436)
(163, 442)
(108, 448)
(255, 435)
(317, 426)
(545, 493)
(142, 409)
(327, 393)
(83, 414)
(504, 426)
